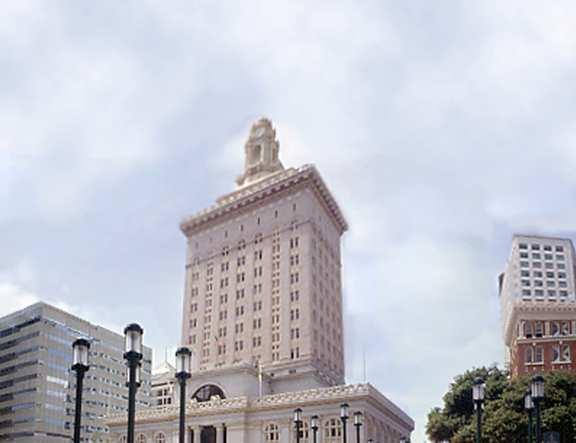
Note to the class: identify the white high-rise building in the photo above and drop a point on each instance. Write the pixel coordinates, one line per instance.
(263, 315)
(538, 304)
(264, 271)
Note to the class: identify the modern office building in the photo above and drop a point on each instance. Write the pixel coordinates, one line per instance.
(37, 387)
(262, 313)
(163, 385)
(538, 305)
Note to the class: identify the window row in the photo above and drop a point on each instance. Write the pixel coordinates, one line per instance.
(538, 264)
(560, 354)
(536, 247)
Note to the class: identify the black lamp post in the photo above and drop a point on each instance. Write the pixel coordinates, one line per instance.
(133, 356)
(183, 369)
(80, 366)
(358, 424)
(314, 427)
(529, 408)
(344, 415)
(297, 423)
(537, 393)
(478, 397)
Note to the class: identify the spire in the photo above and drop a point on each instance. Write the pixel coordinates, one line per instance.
(260, 153)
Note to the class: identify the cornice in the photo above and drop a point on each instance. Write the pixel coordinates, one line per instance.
(269, 402)
(535, 308)
(263, 189)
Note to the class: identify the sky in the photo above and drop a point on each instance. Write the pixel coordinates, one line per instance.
(442, 128)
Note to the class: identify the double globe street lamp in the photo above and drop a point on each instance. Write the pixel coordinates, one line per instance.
(297, 423)
(314, 426)
(529, 408)
(537, 394)
(133, 356)
(344, 415)
(183, 369)
(478, 389)
(81, 348)
(358, 424)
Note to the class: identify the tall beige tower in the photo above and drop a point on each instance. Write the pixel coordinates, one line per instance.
(263, 271)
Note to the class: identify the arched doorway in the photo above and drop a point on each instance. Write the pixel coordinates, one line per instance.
(208, 434)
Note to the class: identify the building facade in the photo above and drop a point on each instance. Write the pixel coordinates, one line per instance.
(262, 314)
(538, 305)
(37, 386)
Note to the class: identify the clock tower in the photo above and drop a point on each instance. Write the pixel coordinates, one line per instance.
(261, 153)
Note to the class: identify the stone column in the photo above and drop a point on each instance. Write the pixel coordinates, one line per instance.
(220, 433)
(236, 433)
(285, 434)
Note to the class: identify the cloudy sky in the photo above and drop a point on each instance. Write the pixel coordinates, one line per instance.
(441, 127)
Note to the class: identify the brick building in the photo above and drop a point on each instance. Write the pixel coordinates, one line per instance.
(538, 303)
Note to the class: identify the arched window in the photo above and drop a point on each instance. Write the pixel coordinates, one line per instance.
(160, 438)
(554, 328)
(566, 355)
(122, 439)
(206, 392)
(332, 431)
(304, 432)
(141, 439)
(271, 433)
(529, 355)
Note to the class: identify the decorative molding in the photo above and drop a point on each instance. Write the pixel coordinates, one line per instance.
(272, 401)
(263, 189)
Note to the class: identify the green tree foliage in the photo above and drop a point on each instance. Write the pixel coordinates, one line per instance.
(504, 418)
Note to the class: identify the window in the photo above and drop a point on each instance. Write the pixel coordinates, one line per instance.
(123, 439)
(526, 292)
(559, 257)
(524, 264)
(528, 329)
(141, 438)
(536, 256)
(535, 247)
(271, 433)
(551, 293)
(332, 431)
(304, 432)
(565, 328)
(547, 247)
(538, 354)
(525, 282)
(525, 273)
(554, 328)
(523, 255)
(566, 355)
(548, 256)
(523, 246)
(556, 357)
(559, 249)
(539, 293)
(529, 355)
(538, 329)
(538, 274)
(206, 392)
(160, 438)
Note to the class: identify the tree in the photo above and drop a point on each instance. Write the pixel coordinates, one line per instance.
(504, 418)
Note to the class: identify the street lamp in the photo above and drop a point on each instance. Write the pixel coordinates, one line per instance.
(297, 423)
(358, 424)
(529, 408)
(537, 392)
(478, 397)
(80, 365)
(314, 426)
(183, 365)
(344, 415)
(133, 356)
